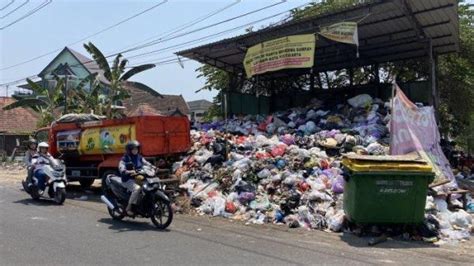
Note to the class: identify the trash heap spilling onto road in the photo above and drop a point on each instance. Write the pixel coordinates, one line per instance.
(286, 168)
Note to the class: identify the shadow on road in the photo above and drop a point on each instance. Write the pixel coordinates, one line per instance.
(130, 225)
(38, 202)
(391, 243)
(76, 192)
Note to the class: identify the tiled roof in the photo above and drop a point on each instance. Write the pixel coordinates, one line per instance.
(18, 120)
(143, 109)
(199, 104)
(142, 99)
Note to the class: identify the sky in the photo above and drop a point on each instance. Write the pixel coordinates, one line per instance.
(64, 22)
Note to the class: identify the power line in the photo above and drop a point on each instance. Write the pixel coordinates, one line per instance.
(38, 8)
(18, 7)
(87, 37)
(205, 27)
(7, 5)
(140, 47)
(186, 43)
(161, 40)
(185, 25)
(214, 35)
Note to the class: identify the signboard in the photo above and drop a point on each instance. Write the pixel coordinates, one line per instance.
(295, 51)
(68, 141)
(414, 129)
(345, 32)
(102, 140)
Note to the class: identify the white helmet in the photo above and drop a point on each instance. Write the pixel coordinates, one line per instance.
(43, 145)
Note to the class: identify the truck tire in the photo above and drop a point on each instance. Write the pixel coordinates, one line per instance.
(86, 183)
(104, 176)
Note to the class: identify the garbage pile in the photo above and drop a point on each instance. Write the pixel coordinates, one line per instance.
(284, 168)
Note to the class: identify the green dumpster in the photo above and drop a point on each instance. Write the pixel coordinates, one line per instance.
(386, 189)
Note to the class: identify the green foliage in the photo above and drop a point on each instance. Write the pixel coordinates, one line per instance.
(456, 81)
(323, 7)
(215, 110)
(45, 101)
(115, 91)
(216, 79)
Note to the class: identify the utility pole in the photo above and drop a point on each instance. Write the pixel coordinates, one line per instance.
(65, 96)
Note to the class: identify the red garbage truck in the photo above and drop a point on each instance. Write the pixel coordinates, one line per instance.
(93, 149)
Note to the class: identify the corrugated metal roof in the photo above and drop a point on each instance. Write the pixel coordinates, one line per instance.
(391, 31)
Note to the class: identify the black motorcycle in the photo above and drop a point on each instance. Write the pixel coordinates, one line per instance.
(152, 203)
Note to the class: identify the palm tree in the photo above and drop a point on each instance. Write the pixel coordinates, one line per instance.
(116, 76)
(43, 100)
(81, 100)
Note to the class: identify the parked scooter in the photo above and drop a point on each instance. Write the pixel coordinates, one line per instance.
(55, 183)
(152, 203)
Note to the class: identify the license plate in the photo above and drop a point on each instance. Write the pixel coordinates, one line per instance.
(76, 173)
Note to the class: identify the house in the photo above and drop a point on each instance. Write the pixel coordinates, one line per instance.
(142, 102)
(198, 108)
(71, 65)
(16, 126)
(74, 67)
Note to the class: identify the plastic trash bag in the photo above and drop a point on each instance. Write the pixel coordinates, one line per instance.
(460, 219)
(336, 221)
(361, 100)
(246, 197)
(338, 185)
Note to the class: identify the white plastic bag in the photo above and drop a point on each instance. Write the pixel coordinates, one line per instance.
(360, 100)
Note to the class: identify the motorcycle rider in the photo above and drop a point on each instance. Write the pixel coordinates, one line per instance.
(29, 154)
(38, 162)
(129, 164)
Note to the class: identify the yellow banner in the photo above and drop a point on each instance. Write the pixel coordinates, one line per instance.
(106, 140)
(295, 51)
(345, 32)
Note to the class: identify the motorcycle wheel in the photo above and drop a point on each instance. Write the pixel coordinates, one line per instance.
(116, 214)
(162, 214)
(34, 193)
(60, 196)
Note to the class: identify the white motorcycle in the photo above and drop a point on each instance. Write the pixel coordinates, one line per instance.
(55, 183)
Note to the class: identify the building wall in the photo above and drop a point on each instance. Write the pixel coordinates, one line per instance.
(73, 63)
(9, 142)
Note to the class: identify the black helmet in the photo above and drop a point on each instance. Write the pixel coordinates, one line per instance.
(132, 145)
(31, 141)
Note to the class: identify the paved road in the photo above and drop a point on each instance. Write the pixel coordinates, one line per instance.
(81, 232)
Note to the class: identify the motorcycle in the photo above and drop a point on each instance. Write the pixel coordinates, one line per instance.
(152, 201)
(55, 183)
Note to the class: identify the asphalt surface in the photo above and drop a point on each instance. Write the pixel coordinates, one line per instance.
(81, 232)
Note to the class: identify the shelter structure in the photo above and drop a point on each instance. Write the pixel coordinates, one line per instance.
(388, 31)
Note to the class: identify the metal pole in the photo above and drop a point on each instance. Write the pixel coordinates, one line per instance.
(65, 96)
(433, 78)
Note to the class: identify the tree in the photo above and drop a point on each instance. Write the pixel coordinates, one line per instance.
(87, 100)
(116, 91)
(456, 81)
(44, 100)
